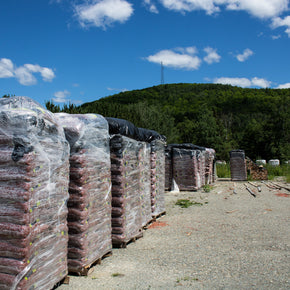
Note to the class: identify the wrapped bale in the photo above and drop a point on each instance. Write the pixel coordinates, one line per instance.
(145, 183)
(185, 168)
(126, 203)
(157, 160)
(89, 204)
(238, 165)
(34, 177)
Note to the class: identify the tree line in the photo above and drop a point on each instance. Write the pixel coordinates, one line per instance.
(217, 116)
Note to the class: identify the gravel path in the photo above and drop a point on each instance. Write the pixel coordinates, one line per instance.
(230, 241)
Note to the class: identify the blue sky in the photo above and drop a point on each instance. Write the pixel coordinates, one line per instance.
(82, 50)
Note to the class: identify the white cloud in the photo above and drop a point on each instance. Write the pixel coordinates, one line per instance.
(240, 82)
(102, 13)
(61, 96)
(150, 6)
(178, 60)
(245, 55)
(187, 50)
(24, 74)
(77, 102)
(212, 55)
(257, 8)
(284, 86)
(6, 68)
(243, 82)
(46, 73)
(262, 83)
(191, 5)
(276, 36)
(279, 22)
(117, 90)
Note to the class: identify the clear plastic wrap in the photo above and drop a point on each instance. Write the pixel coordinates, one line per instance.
(185, 169)
(145, 182)
(89, 204)
(34, 176)
(201, 167)
(157, 160)
(209, 166)
(192, 166)
(126, 202)
(168, 168)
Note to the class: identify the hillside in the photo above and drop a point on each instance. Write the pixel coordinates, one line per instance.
(212, 115)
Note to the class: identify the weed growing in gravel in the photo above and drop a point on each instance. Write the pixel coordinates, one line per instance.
(185, 203)
(179, 280)
(207, 188)
(117, 275)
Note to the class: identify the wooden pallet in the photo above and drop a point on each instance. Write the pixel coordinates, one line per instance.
(145, 227)
(86, 270)
(124, 244)
(63, 281)
(157, 216)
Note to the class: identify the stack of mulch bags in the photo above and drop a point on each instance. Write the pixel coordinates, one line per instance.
(201, 167)
(238, 165)
(126, 202)
(131, 155)
(192, 166)
(168, 168)
(34, 176)
(157, 177)
(145, 182)
(209, 166)
(89, 204)
(185, 168)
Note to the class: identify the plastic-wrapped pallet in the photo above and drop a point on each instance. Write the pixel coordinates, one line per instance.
(34, 177)
(145, 182)
(201, 167)
(89, 204)
(185, 168)
(157, 177)
(209, 166)
(168, 168)
(126, 203)
(238, 165)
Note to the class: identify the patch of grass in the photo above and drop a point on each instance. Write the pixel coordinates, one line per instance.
(185, 203)
(207, 188)
(117, 275)
(282, 170)
(223, 170)
(288, 178)
(179, 280)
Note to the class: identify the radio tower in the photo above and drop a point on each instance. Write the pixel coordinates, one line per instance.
(162, 73)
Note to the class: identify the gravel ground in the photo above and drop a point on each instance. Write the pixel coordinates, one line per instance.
(229, 241)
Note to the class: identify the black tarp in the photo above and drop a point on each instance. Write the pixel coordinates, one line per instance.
(128, 129)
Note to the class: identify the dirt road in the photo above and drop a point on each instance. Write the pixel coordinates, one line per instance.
(224, 240)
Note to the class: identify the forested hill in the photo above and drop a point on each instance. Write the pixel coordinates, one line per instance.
(222, 117)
